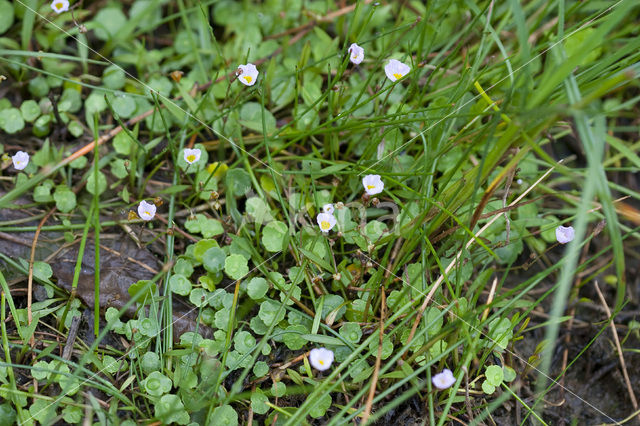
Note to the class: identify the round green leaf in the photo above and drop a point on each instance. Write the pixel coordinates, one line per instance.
(6, 16)
(180, 284)
(108, 22)
(39, 87)
(274, 236)
(260, 369)
(236, 267)
(225, 415)
(259, 402)
(101, 185)
(213, 259)
(322, 405)
(11, 120)
(494, 375)
(278, 389)
(351, 332)
(198, 297)
(157, 384)
(150, 361)
(509, 374)
(30, 110)
(65, 199)
(95, 103)
(488, 388)
(257, 288)
(268, 310)
(42, 126)
(113, 77)
(251, 117)
(244, 342)
(170, 409)
(124, 105)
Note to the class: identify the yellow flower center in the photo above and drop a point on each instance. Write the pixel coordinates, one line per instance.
(58, 6)
(325, 224)
(397, 75)
(148, 213)
(371, 186)
(191, 158)
(248, 78)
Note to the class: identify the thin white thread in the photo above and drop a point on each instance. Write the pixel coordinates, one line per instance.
(411, 140)
(495, 342)
(151, 90)
(492, 86)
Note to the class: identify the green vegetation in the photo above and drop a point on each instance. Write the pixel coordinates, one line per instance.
(489, 124)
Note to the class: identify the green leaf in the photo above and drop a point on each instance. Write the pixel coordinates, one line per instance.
(65, 199)
(108, 22)
(42, 270)
(257, 288)
(268, 310)
(321, 406)
(278, 389)
(260, 369)
(170, 409)
(509, 374)
(488, 388)
(236, 267)
(275, 236)
(180, 284)
(259, 402)
(146, 289)
(351, 332)
(11, 120)
(494, 375)
(101, 185)
(213, 259)
(251, 117)
(30, 110)
(113, 77)
(224, 415)
(244, 342)
(157, 384)
(239, 181)
(6, 16)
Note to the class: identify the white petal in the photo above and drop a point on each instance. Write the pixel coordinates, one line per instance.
(146, 211)
(20, 160)
(565, 234)
(321, 358)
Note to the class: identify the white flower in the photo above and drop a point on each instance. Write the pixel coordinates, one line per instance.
(247, 74)
(321, 358)
(565, 234)
(60, 6)
(191, 155)
(395, 69)
(356, 54)
(372, 184)
(20, 160)
(326, 221)
(146, 211)
(328, 208)
(443, 380)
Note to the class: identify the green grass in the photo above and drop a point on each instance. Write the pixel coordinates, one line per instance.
(473, 146)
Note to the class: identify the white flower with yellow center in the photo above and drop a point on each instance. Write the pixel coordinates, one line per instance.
(321, 358)
(443, 380)
(146, 211)
(191, 155)
(372, 184)
(20, 160)
(356, 54)
(60, 6)
(565, 234)
(328, 208)
(395, 69)
(247, 74)
(326, 221)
